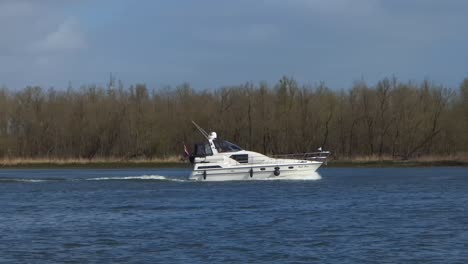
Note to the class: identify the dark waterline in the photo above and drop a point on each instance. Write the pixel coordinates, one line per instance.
(413, 215)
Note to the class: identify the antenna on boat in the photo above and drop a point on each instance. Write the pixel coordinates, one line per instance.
(200, 129)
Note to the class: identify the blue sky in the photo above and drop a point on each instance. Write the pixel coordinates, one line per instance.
(214, 43)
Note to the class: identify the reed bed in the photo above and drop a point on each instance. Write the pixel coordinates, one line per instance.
(170, 161)
(460, 159)
(424, 158)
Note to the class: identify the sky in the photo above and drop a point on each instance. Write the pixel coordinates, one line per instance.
(215, 43)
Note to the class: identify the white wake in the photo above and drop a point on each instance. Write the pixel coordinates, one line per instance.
(23, 180)
(142, 177)
(312, 177)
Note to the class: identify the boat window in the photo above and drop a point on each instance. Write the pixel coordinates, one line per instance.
(226, 146)
(202, 150)
(208, 149)
(209, 167)
(241, 158)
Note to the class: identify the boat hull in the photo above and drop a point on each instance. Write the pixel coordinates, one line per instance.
(257, 172)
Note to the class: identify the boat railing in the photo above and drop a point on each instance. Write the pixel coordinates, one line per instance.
(321, 156)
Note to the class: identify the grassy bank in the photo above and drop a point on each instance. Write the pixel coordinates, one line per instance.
(92, 163)
(396, 163)
(174, 162)
(424, 161)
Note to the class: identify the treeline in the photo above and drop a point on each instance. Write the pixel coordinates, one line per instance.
(394, 119)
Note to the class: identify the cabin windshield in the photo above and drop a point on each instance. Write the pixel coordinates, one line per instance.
(202, 150)
(225, 146)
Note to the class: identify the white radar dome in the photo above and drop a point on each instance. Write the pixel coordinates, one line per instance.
(213, 135)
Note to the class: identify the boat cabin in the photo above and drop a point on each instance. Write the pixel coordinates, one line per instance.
(201, 150)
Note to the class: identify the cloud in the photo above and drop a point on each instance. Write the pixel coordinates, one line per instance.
(67, 36)
(38, 39)
(262, 32)
(234, 40)
(29, 28)
(15, 9)
(360, 7)
(331, 7)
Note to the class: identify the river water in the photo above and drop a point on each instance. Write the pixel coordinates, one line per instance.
(350, 215)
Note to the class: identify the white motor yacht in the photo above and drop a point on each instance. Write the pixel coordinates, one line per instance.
(221, 160)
